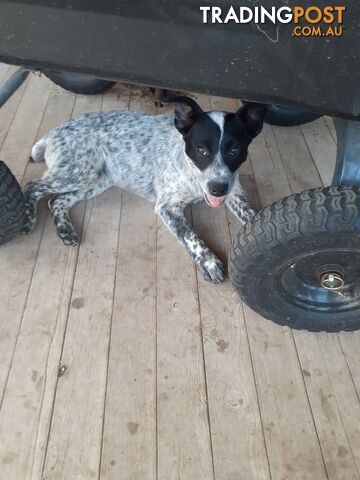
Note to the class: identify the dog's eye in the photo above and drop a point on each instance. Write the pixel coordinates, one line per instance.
(234, 151)
(203, 151)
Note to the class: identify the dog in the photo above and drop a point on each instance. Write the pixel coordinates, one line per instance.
(171, 163)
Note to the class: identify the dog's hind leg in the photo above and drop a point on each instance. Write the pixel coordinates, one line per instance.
(36, 190)
(60, 210)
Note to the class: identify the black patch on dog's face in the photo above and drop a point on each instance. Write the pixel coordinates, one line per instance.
(202, 141)
(240, 129)
(235, 142)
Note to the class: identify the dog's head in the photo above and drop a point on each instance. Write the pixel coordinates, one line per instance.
(216, 143)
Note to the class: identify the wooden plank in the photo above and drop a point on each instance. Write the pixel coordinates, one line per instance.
(326, 376)
(329, 122)
(248, 182)
(202, 100)
(327, 416)
(142, 100)
(3, 69)
(270, 175)
(237, 436)
(55, 266)
(87, 104)
(349, 401)
(184, 449)
(17, 259)
(130, 419)
(74, 446)
(117, 98)
(350, 344)
(59, 109)
(291, 439)
(34, 369)
(299, 165)
(223, 104)
(344, 389)
(322, 147)
(129, 439)
(24, 128)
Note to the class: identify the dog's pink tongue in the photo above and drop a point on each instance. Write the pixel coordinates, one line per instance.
(215, 201)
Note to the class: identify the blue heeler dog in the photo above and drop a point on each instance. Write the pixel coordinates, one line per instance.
(171, 166)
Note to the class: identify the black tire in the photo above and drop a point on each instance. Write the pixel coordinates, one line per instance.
(12, 207)
(79, 83)
(288, 116)
(286, 259)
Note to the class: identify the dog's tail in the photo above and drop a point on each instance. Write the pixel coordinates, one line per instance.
(38, 150)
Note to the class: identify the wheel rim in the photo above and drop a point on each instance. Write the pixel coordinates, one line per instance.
(317, 282)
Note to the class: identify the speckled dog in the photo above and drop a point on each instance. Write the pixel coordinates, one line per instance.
(147, 155)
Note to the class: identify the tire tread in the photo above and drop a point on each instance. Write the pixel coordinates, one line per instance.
(12, 208)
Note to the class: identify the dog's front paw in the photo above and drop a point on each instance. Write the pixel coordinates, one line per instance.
(212, 269)
(67, 234)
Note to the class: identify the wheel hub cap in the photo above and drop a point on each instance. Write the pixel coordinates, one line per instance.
(314, 282)
(332, 281)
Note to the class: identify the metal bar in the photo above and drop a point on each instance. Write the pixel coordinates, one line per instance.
(347, 168)
(12, 84)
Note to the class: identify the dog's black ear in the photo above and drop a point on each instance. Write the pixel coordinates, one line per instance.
(186, 112)
(252, 115)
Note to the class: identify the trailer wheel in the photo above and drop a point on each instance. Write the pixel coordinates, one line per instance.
(288, 116)
(79, 83)
(12, 207)
(297, 262)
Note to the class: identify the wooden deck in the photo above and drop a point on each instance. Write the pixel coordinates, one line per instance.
(118, 362)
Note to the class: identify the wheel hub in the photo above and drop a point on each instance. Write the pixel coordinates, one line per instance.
(332, 280)
(315, 282)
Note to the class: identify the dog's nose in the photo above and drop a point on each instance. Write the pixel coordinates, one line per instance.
(218, 189)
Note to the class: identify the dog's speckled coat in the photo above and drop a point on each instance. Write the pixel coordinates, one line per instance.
(146, 155)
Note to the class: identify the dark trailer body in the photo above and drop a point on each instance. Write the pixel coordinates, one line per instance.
(164, 43)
